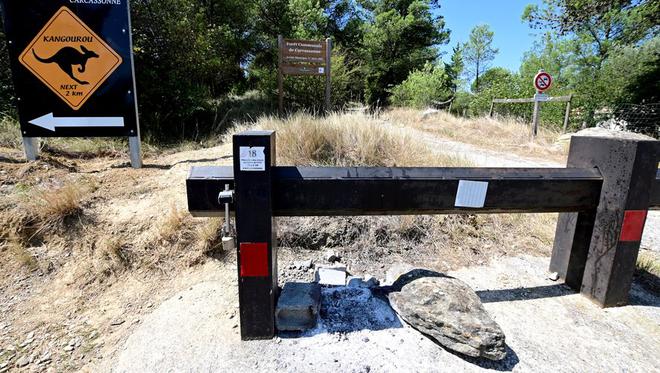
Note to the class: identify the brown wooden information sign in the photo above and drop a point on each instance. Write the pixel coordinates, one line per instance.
(303, 58)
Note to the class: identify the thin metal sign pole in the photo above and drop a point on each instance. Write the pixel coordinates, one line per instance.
(328, 78)
(535, 122)
(31, 146)
(567, 113)
(280, 77)
(134, 141)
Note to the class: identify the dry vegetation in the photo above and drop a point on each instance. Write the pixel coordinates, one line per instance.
(501, 134)
(85, 241)
(346, 140)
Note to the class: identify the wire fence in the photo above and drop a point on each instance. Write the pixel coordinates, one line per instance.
(642, 118)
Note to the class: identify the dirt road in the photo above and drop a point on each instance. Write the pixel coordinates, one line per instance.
(490, 158)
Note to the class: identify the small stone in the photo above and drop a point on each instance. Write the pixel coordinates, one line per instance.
(354, 281)
(25, 343)
(72, 342)
(331, 275)
(118, 322)
(93, 335)
(45, 358)
(24, 361)
(554, 276)
(303, 264)
(332, 256)
(30, 336)
(359, 282)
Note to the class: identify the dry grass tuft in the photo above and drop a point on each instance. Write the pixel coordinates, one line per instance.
(502, 134)
(171, 225)
(210, 235)
(54, 206)
(14, 245)
(347, 140)
(649, 263)
(10, 132)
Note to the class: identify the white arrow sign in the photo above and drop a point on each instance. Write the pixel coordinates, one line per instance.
(49, 122)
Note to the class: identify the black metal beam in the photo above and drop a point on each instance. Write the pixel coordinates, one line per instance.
(330, 191)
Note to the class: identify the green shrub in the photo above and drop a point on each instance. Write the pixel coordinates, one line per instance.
(423, 87)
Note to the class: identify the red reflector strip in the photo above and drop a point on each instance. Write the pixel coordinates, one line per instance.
(633, 225)
(254, 259)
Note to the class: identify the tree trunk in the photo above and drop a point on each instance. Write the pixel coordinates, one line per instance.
(476, 83)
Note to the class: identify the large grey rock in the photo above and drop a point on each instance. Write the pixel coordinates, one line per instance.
(298, 306)
(449, 311)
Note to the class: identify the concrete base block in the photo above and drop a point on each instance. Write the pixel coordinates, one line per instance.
(298, 306)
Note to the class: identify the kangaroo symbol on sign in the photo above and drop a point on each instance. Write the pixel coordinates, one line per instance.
(68, 57)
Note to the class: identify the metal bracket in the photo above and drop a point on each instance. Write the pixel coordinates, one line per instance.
(226, 197)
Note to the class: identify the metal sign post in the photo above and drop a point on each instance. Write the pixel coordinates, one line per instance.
(304, 58)
(72, 66)
(542, 82)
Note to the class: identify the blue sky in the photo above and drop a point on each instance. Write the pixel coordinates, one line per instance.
(512, 36)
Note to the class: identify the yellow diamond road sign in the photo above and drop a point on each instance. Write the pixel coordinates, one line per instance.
(69, 58)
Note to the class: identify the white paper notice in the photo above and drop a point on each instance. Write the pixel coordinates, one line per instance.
(471, 193)
(252, 158)
(321, 70)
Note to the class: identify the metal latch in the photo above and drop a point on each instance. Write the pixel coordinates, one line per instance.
(227, 197)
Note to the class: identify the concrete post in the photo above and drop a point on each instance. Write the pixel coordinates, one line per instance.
(254, 157)
(596, 251)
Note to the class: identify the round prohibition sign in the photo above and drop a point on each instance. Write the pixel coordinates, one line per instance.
(542, 81)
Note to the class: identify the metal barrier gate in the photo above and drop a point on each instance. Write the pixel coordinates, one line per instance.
(603, 197)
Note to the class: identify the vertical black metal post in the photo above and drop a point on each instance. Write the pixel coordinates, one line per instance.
(254, 157)
(597, 251)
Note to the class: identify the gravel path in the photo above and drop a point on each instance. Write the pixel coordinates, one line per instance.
(489, 158)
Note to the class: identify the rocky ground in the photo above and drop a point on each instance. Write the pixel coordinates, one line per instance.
(548, 328)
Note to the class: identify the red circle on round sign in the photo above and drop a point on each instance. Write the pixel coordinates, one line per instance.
(542, 81)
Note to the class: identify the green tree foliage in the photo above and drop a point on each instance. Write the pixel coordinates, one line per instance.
(7, 102)
(399, 36)
(603, 51)
(423, 87)
(186, 54)
(479, 52)
(455, 67)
